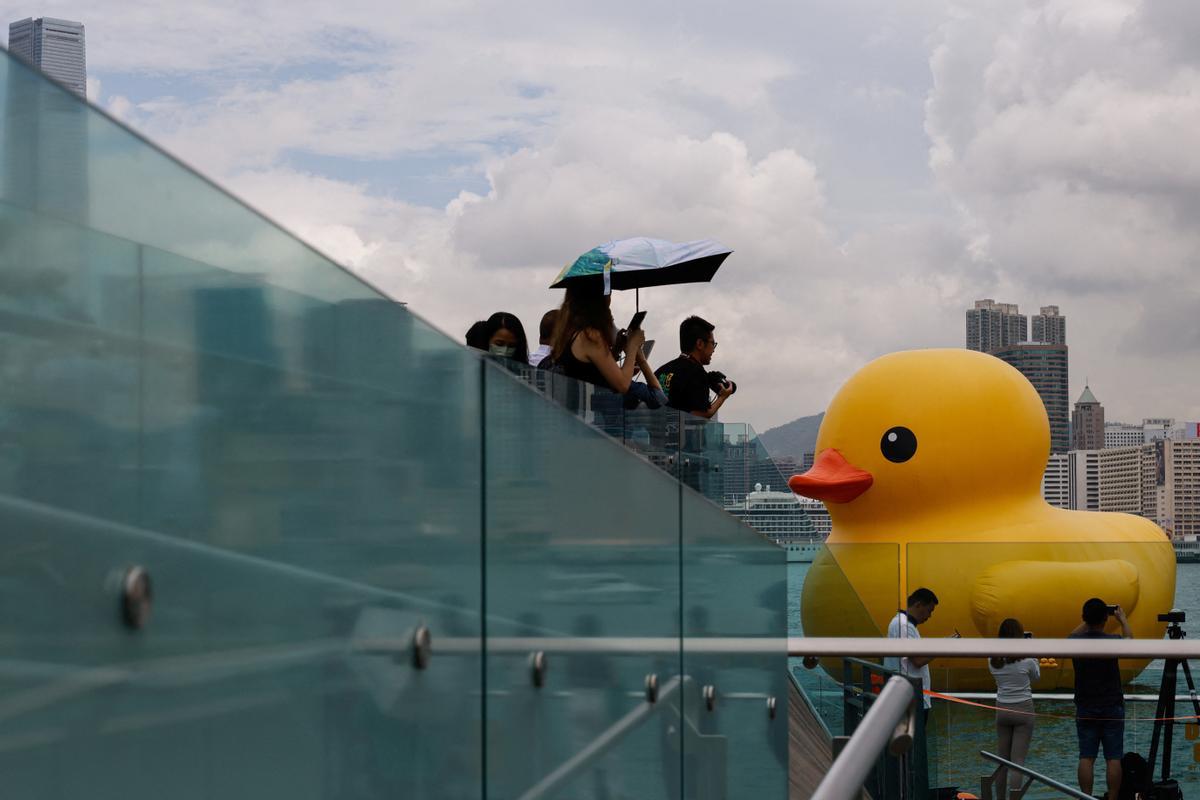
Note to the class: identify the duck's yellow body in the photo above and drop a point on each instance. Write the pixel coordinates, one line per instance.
(951, 446)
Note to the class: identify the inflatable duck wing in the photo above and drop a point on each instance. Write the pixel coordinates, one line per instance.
(930, 463)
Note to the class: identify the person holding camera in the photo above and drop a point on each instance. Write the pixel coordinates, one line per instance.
(685, 379)
(1099, 701)
(1014, 708)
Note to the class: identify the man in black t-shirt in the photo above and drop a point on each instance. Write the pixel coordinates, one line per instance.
(1099, 701)
(685, 380)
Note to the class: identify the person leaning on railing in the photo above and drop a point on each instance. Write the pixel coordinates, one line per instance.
(505, 337)
(1014, 707)
(1099, 701)
(685, 379)
(582, 347)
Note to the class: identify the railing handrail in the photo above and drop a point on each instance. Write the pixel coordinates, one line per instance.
(798, 646)
(852, 766)
(1069, 791)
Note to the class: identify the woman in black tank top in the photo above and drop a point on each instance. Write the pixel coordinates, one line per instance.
(583, 341)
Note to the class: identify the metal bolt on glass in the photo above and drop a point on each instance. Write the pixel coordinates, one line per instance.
(422, 647)
(537, 669)
(652, 688)
(137, 598)
(771, 708)
(710, 696)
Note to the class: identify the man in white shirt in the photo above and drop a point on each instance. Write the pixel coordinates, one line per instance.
(545, 333)
(921, 604)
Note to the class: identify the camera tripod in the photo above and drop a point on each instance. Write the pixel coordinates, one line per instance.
(1165, 711)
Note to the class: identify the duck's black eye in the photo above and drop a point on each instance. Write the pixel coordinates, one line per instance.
(898, 444)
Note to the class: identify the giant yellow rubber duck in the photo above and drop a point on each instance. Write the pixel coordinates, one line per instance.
(930, 463)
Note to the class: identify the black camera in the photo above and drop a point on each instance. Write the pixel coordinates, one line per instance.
(1111, 610)
(1173, 616)
(715, 379)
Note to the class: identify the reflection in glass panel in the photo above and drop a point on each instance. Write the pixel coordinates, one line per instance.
(1043, 585)
(734, 584)
(297, 471)
(582, 543)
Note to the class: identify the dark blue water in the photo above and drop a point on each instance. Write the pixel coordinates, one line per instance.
(959, 732)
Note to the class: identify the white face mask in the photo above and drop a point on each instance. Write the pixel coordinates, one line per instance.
(501, 350)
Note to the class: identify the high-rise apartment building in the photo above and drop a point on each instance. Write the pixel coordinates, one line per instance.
(1175, 488)
(1119, 477)
(1056, 484)
(1087, 422)
(1123, 434)
(992, 325)
(55, 46)
(1049, 326)
(1083, 468)
(1045, 365)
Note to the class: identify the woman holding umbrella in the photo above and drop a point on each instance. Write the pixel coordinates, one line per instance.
(584, 339)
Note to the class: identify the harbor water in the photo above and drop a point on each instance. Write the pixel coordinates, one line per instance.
(959, 732)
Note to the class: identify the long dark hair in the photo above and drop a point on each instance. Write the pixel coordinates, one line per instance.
(502, 320)
(1009, 629)
(581, 309)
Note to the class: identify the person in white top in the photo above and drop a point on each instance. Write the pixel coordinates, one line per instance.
(545, 333)
(919, 609)
(1014, 708)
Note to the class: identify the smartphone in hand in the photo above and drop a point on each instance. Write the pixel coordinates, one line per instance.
(636, 322)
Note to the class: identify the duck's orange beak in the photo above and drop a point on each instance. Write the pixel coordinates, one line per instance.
(831, 478)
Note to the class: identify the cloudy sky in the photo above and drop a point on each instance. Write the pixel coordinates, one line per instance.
(876, 165)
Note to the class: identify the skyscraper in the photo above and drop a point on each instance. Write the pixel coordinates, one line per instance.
(992, 325)
(1087, 423)
(55, 46)
(1045, 365)
(1049, 326)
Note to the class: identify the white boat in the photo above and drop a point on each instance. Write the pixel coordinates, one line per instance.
(795, 523)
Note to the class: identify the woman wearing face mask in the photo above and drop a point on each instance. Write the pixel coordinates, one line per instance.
(506, 337)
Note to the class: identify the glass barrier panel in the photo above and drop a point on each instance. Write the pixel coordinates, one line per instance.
(735, 585)
(65, 160)
(582, 544)
(702, 456)
(1043, 585)
(846, 590)
(747, 466)
(654, 435)
(297, 472)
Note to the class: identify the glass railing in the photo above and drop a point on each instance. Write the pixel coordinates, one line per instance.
(849, 590)
(1043, 585)
(724, 461)
(313, 479)
(855, 589)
